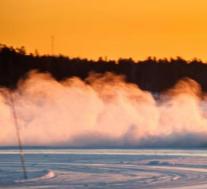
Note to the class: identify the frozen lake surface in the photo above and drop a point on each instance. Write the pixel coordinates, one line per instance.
(104, 169)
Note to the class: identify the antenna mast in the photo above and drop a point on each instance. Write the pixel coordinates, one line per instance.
(52, 44)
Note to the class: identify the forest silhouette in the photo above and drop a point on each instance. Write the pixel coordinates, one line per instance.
(155, 75)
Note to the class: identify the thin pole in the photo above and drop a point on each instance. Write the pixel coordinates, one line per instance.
(52, 44)
(15, 120)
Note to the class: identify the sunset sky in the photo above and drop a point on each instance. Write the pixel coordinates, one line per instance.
(107, 28)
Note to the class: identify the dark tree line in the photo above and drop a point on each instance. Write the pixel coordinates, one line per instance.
(151, 74)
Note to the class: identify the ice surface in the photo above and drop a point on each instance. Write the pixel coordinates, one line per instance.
(105, 168)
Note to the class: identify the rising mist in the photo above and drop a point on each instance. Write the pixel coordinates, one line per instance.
(103, 111)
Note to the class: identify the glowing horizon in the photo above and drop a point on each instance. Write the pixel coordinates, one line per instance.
(113, 29)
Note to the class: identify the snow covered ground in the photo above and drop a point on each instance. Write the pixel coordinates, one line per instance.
(104, 169)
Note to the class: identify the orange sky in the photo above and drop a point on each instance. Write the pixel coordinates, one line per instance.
(112, 28)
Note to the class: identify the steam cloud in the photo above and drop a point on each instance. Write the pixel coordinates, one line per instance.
(103, 110)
